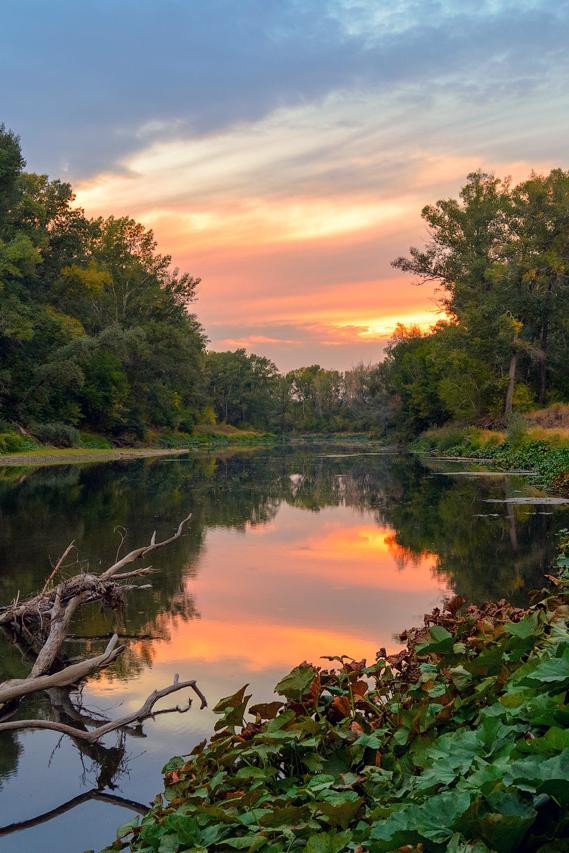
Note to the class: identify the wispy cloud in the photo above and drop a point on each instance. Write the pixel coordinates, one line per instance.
(283, 151)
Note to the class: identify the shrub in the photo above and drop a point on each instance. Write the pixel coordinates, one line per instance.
(173, 440)
(94, 441)
(443, 440)
(483, 440)
(13, 442)
(517, 430)
(57, 434)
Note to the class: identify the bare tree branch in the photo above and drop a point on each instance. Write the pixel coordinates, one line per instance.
(95, 794)
(47, 616)
(19, 687)
(140, 553)
(58, 565)
(145, 711)
(41, 625)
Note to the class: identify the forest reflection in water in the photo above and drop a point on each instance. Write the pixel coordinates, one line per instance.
(288, 555)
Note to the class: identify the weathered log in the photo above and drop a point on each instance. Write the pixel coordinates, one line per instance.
(16, 688)
(43, 620)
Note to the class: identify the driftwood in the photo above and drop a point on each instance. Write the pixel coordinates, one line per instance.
(17, 688)
(41, 624)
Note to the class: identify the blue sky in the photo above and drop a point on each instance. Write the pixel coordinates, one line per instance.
(282, 149)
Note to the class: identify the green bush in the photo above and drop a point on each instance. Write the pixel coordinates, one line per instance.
(173, 440)
(517, 430)
(57, 434)
(13, 442)
(93, 441)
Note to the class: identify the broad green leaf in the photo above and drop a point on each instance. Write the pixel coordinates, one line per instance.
(233, 701)
(287, 815)
(441, 641)
(174, 764)
(340, 814)
(525, 628)
(553, 672)
(554, 740)
(328, 842)
(295, 684)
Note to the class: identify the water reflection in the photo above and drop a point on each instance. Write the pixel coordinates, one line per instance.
(287, 556)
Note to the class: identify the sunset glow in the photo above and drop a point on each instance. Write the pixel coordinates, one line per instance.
(290, 186)
(268, 606)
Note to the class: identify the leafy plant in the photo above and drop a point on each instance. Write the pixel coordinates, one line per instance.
(458, 742)
(58, 434)
(13, 442)
(93, 441)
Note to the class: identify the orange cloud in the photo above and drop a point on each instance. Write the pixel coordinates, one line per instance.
(292, 220)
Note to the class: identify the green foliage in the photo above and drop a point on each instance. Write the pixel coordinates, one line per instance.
(93, 441)
(57, 434)
(13, 442)
(95, 329)
(458, 742)
(500, 255)
(518, 451)
(516, 431)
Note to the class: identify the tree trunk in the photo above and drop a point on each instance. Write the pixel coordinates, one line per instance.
(543, 344)
(511, 384)
(543, 361)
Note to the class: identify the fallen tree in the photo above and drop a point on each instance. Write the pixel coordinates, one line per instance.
(40, 626)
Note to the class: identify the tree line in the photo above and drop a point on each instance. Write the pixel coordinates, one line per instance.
(97, 330)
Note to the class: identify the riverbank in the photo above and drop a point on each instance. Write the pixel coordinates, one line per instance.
(18, 449)
(545, 453)
(460, 739)
(29, 453)
(44, 456)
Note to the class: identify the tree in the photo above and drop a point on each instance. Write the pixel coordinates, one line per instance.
(243, 388)
(96, 328)
(500, 254)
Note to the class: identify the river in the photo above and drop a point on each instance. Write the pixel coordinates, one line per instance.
(290, 554)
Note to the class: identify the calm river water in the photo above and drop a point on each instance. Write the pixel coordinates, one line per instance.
(289, 555)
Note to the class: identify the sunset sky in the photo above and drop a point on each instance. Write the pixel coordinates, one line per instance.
(282, 149)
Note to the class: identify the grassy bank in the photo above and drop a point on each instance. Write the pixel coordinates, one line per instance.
(460, 742)
(545, 451)
(41, 456)
(65, 445)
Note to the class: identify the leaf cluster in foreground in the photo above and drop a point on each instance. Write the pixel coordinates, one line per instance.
(459, 742)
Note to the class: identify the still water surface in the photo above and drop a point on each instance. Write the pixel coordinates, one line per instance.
(289, 555)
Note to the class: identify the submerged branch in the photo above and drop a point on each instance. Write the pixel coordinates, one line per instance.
(145, 711)
(15, 689)
(95, 794)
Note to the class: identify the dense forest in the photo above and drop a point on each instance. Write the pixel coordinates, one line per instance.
(97, 329)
